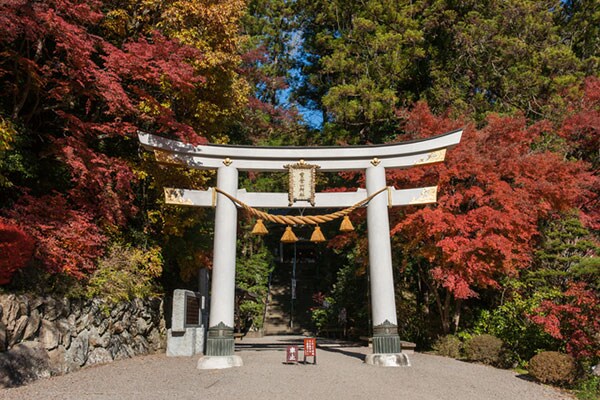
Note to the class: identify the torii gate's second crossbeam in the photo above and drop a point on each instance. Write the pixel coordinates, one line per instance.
(228, 160)
(206, 198)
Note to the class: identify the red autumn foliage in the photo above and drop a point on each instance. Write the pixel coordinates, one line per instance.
(68, 240)
(581, 130)
(80, 98)
(102, 185)
(151, 63)
(582, 127)
(16, 249)
(574, 319)
(493, 191)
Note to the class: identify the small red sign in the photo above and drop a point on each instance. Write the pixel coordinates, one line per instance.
(291, 354)
(310, 346)
(310, 349)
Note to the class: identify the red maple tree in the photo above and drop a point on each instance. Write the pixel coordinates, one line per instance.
(80, 99)
(574, 319)
(494, 188)
(581, 130)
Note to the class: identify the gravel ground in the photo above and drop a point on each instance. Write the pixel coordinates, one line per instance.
(339, 374)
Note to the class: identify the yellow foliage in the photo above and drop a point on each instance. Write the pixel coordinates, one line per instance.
(7, 134)
(115, 22)
(139, 173)
(148, 108)
(211, 26)
(126, 273)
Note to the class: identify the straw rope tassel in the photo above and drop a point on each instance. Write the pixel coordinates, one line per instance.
(289, 236)
(346, 225)
(317, 235)
(259, 228)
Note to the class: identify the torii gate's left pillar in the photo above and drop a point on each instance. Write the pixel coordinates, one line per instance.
(220, 342)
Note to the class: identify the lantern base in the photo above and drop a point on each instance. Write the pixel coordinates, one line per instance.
(219, 362)
(388, 360)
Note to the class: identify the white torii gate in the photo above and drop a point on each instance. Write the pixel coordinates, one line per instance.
(374, 160)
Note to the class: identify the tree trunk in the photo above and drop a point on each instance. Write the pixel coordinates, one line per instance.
(445, 313)
(438, 301)
(456, 315)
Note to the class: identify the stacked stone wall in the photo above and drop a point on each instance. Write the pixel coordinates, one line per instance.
(44, 336)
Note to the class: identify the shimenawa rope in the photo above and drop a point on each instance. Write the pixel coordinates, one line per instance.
(301, 219)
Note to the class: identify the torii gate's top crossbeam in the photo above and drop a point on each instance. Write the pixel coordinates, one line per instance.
(256, 158)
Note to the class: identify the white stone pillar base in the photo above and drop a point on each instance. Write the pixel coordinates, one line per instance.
(219, 362)
(388, 360)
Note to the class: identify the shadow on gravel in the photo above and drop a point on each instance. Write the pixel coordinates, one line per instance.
(277, 344)
(526, 377)
(280, 343)
(360, 356)
(324, 342)
(263, 347)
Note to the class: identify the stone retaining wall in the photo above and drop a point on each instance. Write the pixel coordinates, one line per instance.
(44, 336)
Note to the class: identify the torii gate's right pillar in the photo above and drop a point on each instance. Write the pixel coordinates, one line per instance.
(386, 342)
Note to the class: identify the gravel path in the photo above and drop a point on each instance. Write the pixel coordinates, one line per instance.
(339, 374)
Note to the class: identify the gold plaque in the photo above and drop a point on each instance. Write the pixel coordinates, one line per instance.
(427, 195)
(433, 157)
(175, 196)
(165, 157)
(302, 179)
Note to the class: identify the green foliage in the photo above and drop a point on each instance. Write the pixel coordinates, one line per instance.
(323, 313)
(448, 346)
(588, 389)
(497, 56)
(553, 367)
(320, 318)
(183, 232)
(363, 59)
(580, 25)
(509, 321)
(345, 303)
(126, 273)
(418, 316)
(342, 298)
(350, 293)
(254, 264)
(484, 348)
(270, 27)
(567, 253)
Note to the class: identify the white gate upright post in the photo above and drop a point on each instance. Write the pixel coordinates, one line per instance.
(386, 342)
(220, 341)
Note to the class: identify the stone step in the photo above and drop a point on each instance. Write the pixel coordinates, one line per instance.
(277, 316)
